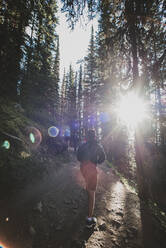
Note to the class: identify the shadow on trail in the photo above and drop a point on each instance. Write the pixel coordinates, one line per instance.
(131, 232)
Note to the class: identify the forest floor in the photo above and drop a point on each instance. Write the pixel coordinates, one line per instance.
(50, 212)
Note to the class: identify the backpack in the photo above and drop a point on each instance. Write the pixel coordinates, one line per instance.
(92, 152)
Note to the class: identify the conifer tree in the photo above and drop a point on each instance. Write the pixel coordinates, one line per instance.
(90, 84)
(56, 82)
(41, 76)
(71, 99)
(63, 100)
(13, 23)
(80, 103)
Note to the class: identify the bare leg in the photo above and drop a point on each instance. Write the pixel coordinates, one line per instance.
(91, 202)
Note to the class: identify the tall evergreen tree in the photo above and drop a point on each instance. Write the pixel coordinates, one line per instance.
(41, 76)
(71, 98)
(63, 100)
(90, 84)
(55, 84)
(13, 23)
(80, 103)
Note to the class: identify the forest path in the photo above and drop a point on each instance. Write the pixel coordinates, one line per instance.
(50, 213)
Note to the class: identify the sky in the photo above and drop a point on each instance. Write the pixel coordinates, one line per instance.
(73, 43)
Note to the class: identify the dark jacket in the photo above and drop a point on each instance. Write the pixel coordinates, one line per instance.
(91, 151)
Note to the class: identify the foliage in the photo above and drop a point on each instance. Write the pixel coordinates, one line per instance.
(12, 32)
(29, 54)
(41, 74)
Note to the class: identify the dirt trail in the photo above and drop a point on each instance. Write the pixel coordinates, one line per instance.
(51, 213)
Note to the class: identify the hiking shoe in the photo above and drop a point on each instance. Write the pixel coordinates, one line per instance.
(91, 222)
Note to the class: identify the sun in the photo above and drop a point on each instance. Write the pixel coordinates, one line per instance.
(131, 109)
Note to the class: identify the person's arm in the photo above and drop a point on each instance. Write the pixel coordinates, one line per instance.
(101, 155)
(79, 153)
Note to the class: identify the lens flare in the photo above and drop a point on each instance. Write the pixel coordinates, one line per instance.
(6, 144)
(34, 137)
(2, 245)
(53, 131)
(67, 132)
(104, 117)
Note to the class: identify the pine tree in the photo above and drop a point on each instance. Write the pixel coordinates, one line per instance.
(71, 98)
(13, 22)
(108, 61)
(56, 82)
(41, 65)
(90, 84)
(80, 103)
(63, 100)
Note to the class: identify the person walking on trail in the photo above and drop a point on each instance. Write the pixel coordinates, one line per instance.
(89, 155)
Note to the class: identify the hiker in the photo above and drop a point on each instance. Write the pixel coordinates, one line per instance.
(90, 154)
(75, 141)
(67, 137)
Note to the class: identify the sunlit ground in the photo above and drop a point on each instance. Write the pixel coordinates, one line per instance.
(118, 197)
(131, 110)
